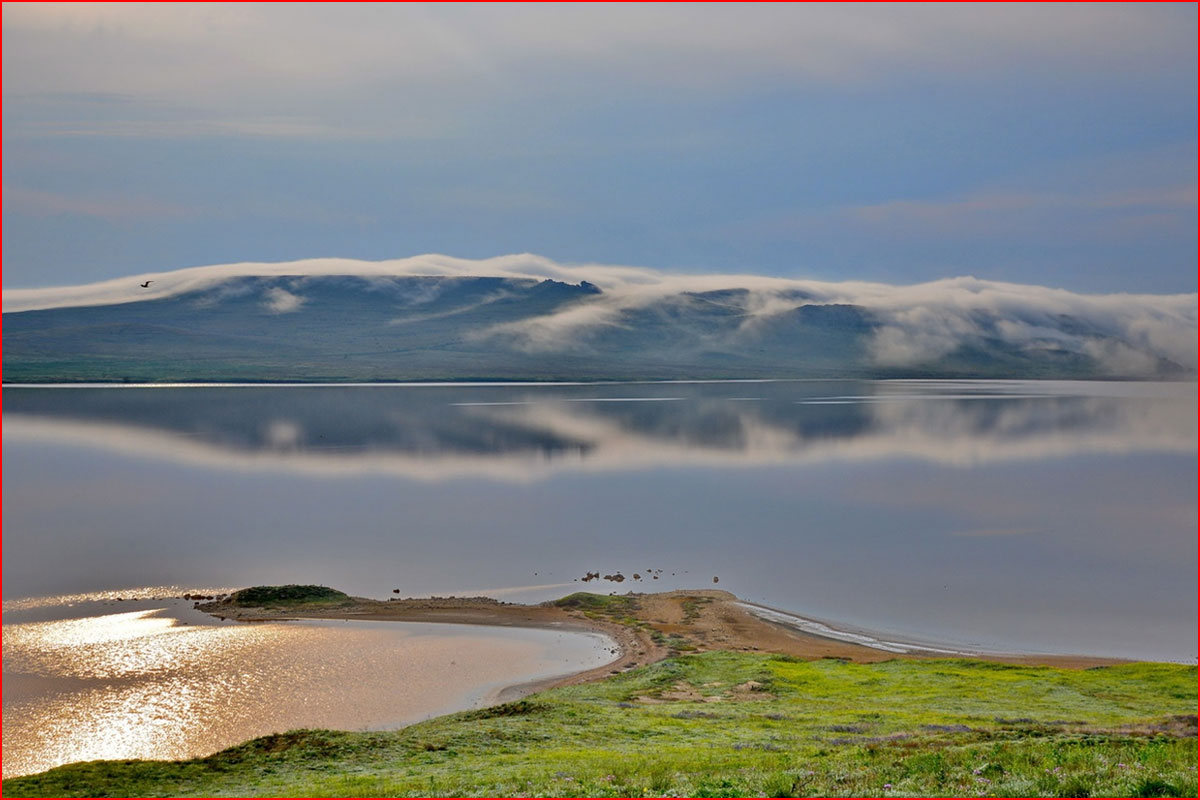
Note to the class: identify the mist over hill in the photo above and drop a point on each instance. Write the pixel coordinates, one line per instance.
(524, 318)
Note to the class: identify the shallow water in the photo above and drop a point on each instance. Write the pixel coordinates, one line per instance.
(1040, 516)
(90, 679)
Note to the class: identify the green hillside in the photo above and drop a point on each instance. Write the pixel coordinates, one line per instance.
(735, 724)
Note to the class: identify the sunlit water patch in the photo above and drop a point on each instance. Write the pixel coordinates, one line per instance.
(159, 680)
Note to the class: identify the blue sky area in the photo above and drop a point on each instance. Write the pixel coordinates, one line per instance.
(1045, 144)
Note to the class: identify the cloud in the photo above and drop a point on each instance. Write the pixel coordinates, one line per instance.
(924, 321)
(115, 208)
(991, 532)
(1084, 216)
(126, 290)
(563, 328)
(1000, 212)
(280, 301)
(422, 43)
(175, 282)
(272, 127)
(915, 323)
(920, 322)
(233, 61)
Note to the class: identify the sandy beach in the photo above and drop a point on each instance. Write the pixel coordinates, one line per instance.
(645, 628)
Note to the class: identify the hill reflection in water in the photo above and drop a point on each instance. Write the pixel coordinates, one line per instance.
(430, 432)
(1047, 516)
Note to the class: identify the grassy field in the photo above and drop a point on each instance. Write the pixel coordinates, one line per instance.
(733, 724)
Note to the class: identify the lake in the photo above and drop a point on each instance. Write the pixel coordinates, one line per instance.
(1055, 517)
(89, 677)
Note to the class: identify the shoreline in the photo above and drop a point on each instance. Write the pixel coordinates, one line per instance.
(630, 650)
(524, 382)
(647, 628)
(640, 629)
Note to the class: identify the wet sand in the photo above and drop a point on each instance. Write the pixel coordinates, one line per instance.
(664, 624)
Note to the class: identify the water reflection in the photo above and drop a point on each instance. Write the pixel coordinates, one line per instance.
(166, 682)
(1058, 517)
(438, 432)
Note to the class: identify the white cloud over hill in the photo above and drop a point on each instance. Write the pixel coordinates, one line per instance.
(916, 323)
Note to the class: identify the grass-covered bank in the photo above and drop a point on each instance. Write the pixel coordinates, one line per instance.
(721, 724)
(290, 596)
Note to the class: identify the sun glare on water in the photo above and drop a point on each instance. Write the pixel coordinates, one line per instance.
(144, 684)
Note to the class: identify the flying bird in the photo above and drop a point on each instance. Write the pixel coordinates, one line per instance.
(147, 284)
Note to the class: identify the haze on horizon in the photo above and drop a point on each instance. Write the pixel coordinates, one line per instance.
(901, 144)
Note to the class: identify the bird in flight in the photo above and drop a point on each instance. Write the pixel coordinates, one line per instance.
(147, 284)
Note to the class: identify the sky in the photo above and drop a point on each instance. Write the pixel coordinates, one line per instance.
(1046, 144)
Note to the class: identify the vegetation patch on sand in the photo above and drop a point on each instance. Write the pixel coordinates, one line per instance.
(735, 724)
(288, 596)
(620, 608)
(629, 610)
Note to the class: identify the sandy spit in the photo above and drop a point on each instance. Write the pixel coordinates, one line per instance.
(666, 623)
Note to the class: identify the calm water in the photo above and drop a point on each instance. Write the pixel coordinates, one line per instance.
(1042, 516)
(86, 678)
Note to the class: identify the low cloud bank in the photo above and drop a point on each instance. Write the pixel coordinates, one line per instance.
(1128, 333)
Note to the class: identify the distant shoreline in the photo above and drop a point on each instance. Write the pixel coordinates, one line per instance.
(485, 382)
(199, 384)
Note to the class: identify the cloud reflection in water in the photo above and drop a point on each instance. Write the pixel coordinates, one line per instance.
(437, 433)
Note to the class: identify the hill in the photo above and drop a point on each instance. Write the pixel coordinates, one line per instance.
(422, 328)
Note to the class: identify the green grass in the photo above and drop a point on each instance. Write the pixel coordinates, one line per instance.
(824, 727)
(289, 596)
(619, 608)
(691, 608)
(607, 604)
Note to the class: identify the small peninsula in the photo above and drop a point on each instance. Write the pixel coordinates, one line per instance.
(706, 699)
